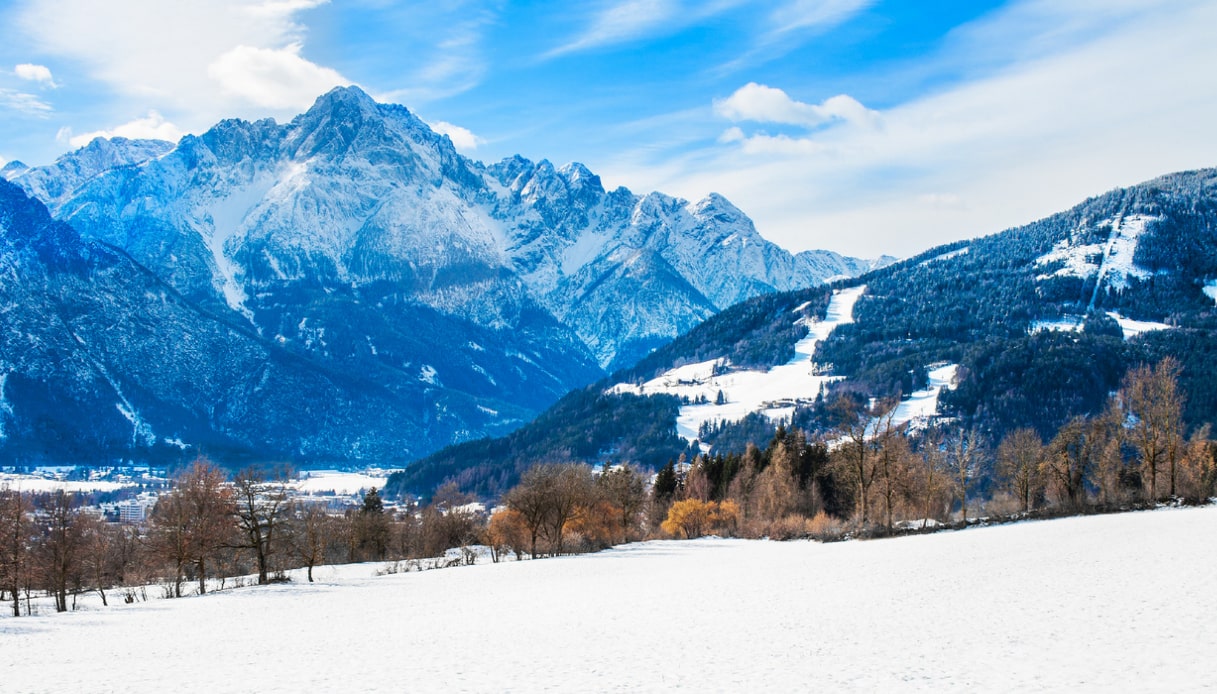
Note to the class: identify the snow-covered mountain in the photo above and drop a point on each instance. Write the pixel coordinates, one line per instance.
(356, 196)
(358, 240)
(101, 360)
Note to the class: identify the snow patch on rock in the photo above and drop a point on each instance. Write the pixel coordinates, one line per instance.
(428, 374)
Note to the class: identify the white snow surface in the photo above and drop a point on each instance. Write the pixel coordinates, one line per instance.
(1132, 328)
(1071, 324)
(337, 481)
(1210, 289)
(38, 484)
(921, 405)
(1114, 257)
(948, 255)
(1098, 603)
(774, 392)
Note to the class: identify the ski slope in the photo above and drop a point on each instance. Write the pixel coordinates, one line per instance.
(774, 392)
(1099, 603)
(922, 405)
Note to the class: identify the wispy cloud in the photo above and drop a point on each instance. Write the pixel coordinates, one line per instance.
(621, 22)
(446, 48)
(788, 25)
(24, 102)
(814, 14)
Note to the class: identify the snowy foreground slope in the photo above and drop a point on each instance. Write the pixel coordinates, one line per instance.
(1110, 603)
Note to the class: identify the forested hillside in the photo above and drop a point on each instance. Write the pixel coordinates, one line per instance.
(1043, 320)
(1144, 254)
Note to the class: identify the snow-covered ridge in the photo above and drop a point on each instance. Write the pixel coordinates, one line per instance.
(774, 393)
(948, 255)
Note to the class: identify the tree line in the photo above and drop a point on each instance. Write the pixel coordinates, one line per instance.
(207, 529)
(872, 476)
(869, 477)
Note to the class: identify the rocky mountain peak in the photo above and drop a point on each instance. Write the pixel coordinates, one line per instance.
(13, 169)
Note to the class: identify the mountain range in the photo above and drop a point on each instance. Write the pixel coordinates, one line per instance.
(1028, 327)
(344, 287)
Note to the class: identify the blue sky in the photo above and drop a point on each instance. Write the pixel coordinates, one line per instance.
(861, 126)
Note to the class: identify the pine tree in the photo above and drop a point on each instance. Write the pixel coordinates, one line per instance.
(665, 482)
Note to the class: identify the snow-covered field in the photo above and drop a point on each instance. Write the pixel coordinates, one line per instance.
(339, 482)
(36, 484)
(1106, 603)
(1132, 328)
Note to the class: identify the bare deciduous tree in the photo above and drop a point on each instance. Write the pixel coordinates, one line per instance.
(854, 459)
(964, 458)
(1018, 465)
(310, 531)
(60, 546)
(193, 522)
(547, 497)
(15, 529)
(892, 464)
(1152, 402)
(259, 509)
(1068, 461)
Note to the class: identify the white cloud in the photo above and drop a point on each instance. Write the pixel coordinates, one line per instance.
(35, 73)
(196, 61)
(1127, 97)
(462, 138)
(23, 102)
(760, 103)
(151, 127)
(276, 78)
